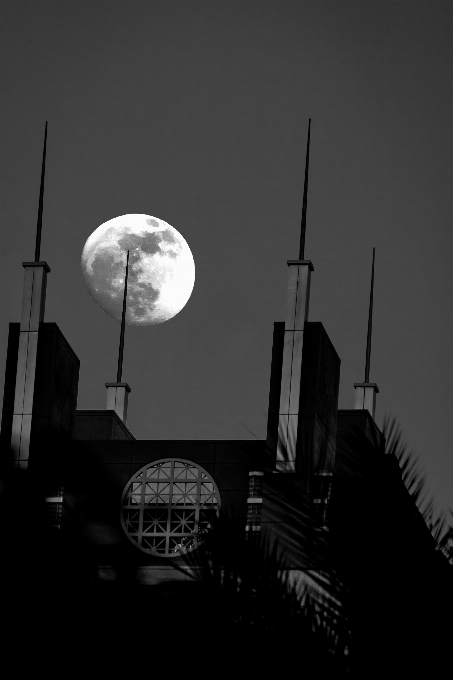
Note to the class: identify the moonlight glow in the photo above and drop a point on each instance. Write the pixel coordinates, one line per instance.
(161, 268)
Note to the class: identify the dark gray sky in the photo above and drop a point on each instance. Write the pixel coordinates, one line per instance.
(197, 113)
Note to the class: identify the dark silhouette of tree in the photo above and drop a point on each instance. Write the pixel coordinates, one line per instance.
(373, 592)
(370, 596)
(398, 584)
(438, 521)
(269, 615)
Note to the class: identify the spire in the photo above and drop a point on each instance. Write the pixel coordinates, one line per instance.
(123, 325)
(32, 316)
(304, 203)
(370, 325)
(41, 200)
(365, 393)
(297, 303)
(118, 392)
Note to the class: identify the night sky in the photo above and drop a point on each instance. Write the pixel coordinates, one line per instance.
(197, 113)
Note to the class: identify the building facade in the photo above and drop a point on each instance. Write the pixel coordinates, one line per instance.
(145, 503)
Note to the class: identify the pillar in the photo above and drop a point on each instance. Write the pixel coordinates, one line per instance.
(117, 398)
(299, 277)
(33, 306)
(365, 396)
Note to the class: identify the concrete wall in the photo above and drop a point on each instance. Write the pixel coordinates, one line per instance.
(57, 380)
(274, 390)
(356, 433)
(100, 424)
(98, 472)
(318, 404)
(54, 394)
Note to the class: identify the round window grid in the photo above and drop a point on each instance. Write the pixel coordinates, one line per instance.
(168, 506)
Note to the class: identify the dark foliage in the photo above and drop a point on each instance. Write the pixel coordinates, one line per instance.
(261, 608)
(371, 596)
(399, 586)
(439, 522)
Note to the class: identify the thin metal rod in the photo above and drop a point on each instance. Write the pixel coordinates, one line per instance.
(123, 325)
(41, 201)
(370, 326)
(303, 225)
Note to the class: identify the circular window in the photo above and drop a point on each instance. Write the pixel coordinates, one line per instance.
(168, 506)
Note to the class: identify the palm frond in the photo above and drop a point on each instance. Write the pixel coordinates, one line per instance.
(262, 601)
(414, 480)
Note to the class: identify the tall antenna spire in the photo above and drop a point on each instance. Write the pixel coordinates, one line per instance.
(297, 302)
(123, 325)
(41, 200)
(32, 317)
(304, 204)
(370, 326)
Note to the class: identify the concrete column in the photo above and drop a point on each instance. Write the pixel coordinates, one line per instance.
(299, 276)
(365, 396)
(117, 398)
(33, 306)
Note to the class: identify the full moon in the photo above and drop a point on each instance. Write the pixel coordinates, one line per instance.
(161, 271)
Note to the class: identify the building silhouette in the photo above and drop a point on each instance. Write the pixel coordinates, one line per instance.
(136, 508)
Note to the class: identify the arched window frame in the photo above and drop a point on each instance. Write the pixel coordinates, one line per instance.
(167, 506)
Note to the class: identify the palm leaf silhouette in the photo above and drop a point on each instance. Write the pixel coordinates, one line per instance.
(261, 607)
(438, 521)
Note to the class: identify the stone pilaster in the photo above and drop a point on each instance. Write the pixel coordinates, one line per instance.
(117, 398)
(299, 277)
(33, 306)
(365, 396)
